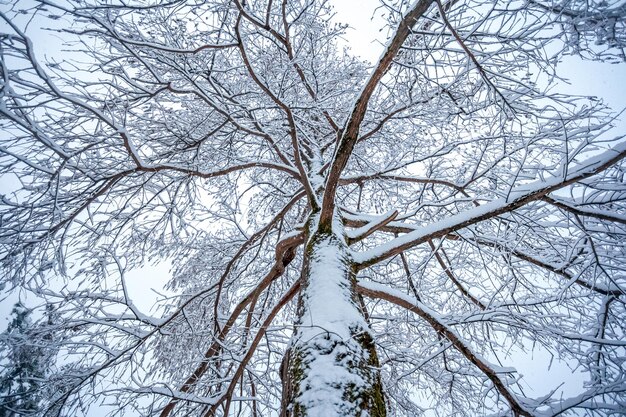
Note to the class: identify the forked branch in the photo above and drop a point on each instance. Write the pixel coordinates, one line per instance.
(518, 197)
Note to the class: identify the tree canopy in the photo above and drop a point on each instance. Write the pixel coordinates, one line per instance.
(405, 237)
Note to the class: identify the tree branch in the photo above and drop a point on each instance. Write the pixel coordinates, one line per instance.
(378, 291)
(518, 197)
(351, 132)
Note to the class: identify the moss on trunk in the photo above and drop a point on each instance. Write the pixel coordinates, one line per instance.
(332, 367)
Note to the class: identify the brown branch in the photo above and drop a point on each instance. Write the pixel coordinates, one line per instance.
(279, 251)
(242, 365)
(582, 212)
(351, 132)
(443, 330)
(584, 15)
(109, 30)
(286, 42)
(218, 173)
(407, 272)
(382, 122)
(298, 68)
(230, 118)
(401, 178)
(448, 271)
(373, 226)
(396, 228)
(470, 54)
(393, 227)
(215, 348)
(297, 153)
(108, 185)
(519, 197)
(558, 271)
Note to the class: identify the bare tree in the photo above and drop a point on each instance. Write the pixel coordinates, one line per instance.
(348, 239)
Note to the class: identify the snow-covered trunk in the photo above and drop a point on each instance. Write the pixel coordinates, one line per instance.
(331, 368)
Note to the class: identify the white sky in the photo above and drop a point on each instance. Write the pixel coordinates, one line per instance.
(363, 36)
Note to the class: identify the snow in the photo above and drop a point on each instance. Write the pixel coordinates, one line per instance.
(495, 207)
(328, 285)
(325, 335)
(323, 393)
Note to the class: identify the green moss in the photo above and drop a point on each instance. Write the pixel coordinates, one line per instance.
(296, 373)
(372, 399)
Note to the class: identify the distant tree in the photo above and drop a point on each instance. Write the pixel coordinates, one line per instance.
(24, 365)
(348, 239)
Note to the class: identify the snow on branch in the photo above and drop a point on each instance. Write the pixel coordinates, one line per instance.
(370, 289)
(518, 197)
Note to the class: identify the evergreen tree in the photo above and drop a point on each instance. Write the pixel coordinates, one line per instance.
(24, 364)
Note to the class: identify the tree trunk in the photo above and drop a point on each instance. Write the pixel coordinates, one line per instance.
(331, 368)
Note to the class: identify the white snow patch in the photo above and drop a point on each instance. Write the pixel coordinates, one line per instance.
(328, 305)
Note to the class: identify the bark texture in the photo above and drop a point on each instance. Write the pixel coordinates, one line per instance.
(332, 368)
